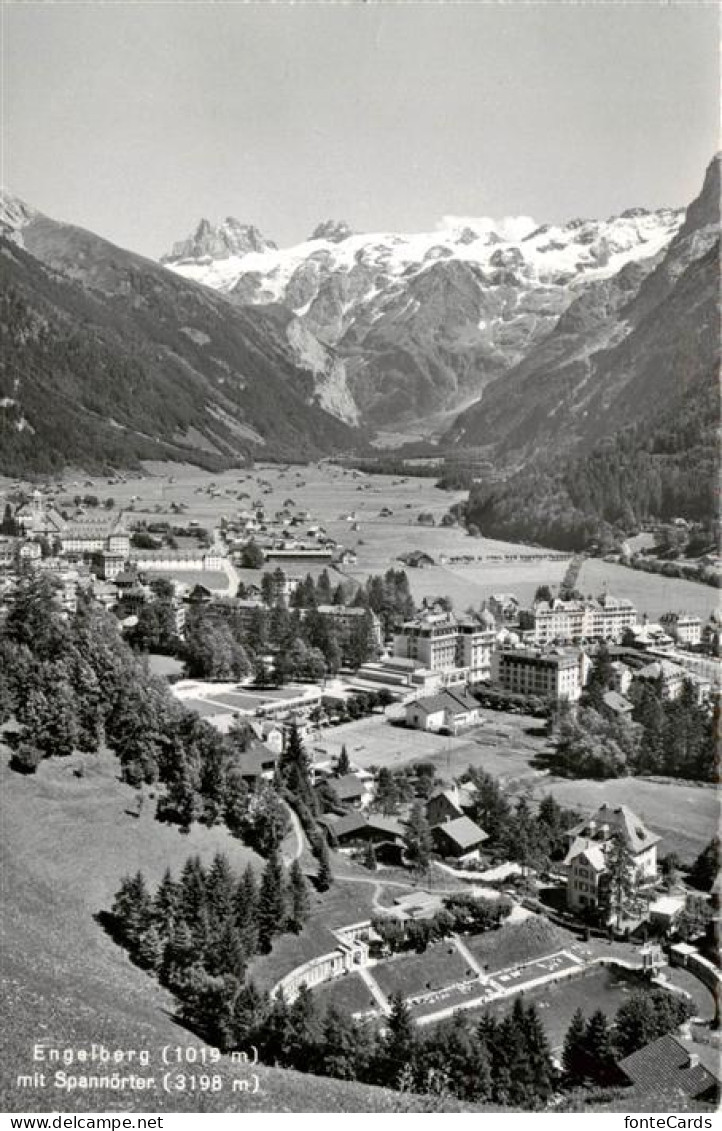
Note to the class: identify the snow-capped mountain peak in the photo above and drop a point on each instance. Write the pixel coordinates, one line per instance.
(15, 214)
(424, 320)
(333, 230)
(209, 242)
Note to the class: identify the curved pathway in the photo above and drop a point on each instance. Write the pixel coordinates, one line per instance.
(298, 835)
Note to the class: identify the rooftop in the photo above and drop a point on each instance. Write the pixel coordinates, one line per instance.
(669, 1065)
(463, 832)
(622, 820)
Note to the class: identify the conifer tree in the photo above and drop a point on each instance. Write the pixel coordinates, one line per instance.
(133, 908)
(193, 900)
(246, 910)
(166, 905)
(270, 902)
(225, 953)
(339, 1046)
(150, 949)
(418, 839)
(574, 1052)
(343, 764)
(399, 1043)
(299, 901)
(598, 1049)
(304, 1039)
(274, 1033)
(543, 1073)
(621, 880)
(324, 876)
(247, 1014)
(220, 889)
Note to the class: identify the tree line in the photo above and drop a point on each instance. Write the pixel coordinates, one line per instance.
(198, 933)
(72, 683)
(675, 737)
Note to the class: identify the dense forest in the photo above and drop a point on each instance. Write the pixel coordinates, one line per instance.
(592, 499)
(148, 367)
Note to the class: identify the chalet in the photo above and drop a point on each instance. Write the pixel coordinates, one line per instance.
(589, 845)
(460, 838)
(449, 710)
(671, 1068)
(357, 828)
(448, 804)
(349, 789)
(257, 762)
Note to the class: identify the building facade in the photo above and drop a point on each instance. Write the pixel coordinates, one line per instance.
(556, 674)
(441, 643)
(683, 628)
(565, 621)
(587, 861)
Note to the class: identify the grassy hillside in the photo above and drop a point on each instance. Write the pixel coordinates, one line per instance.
(66, 842)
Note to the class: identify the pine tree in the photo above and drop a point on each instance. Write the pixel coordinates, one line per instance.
(248, 1009)
(220, 889)
(270, 902)
(246, 910)
(299, 901)
(621, 880)
(133, 909)
(324, 876)
(150, 949)
(193, 900)
(166, 904)
(274, 1035)
(294, 769)
(513, 1037)
(339, 1056)
(418, 839)
(598, 1049)
(543, 1072)
(304, 1041)
(225, 953)
(343, 764)
(575, 1052)
(399, 1043)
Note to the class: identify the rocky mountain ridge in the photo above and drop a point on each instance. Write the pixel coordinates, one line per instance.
(419, 322)
(108, 359)
(628, 345)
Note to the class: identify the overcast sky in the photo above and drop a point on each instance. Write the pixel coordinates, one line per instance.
(136, 119)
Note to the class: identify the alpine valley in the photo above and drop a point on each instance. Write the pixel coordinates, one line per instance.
(567, 360)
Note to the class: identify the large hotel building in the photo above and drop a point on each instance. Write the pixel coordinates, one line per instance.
(564, 621)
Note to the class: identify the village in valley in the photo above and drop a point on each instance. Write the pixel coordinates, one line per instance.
(455, 801)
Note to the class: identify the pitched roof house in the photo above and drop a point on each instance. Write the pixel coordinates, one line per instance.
(451, 709)
(460, 838)
(590, 843)
(669, 1067)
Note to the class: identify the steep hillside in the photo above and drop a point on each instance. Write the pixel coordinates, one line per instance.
(109, 358)
(629, 346)
(660, 469)
(420, 322)
(66, 843)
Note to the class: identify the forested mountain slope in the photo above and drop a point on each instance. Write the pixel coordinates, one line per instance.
(108, 358)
